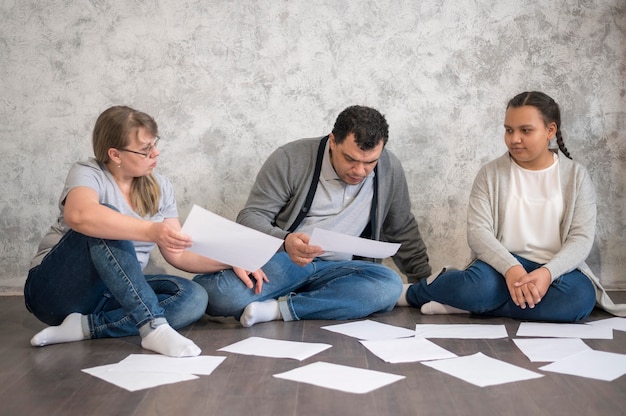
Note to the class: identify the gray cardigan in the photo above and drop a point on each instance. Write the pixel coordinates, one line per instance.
(485, 218)
(281, 187)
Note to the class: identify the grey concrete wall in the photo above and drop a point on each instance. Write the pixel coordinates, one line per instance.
(228, 81)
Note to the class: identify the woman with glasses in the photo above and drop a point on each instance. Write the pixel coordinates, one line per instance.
(87, 278)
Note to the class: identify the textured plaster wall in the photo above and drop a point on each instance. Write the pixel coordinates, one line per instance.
(228, 81)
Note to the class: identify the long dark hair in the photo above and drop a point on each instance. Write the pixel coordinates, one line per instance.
(548, 108)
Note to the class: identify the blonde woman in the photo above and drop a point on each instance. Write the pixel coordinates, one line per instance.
(87, 278)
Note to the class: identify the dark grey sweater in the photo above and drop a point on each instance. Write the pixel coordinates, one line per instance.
(283, 182)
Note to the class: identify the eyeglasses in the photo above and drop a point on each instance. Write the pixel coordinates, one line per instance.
(148, 150)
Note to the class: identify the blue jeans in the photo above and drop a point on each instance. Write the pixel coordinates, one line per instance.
(320, 290)
(480, 289)
(103, 280)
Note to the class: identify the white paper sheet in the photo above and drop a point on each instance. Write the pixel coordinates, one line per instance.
(340, 377)
(544, 329)
(202, 365)
(142, 371)
(264, 347)
(599, 365)
(460, 331)
(615, 323)
(407, 350)
(228, 242)
(370, 330)
(480, 370)
(133, 381)
(550, 349)
(341, 243)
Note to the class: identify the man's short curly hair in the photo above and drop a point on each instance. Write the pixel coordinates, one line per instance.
(367, 124)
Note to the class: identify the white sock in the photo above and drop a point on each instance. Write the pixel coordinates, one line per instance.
(257, 312)
(165, 340)
(436, 308)
(402, 299)
(70, 330)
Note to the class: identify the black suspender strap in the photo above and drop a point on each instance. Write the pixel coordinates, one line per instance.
(374, 204)
(316, 177)
(313, 187)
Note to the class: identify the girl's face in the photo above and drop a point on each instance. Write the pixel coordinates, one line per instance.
(527, 136)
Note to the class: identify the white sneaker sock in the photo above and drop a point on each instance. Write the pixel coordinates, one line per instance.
(402, 299)
(257, 312)
(436, 308)
(70, 330)
(165, 340)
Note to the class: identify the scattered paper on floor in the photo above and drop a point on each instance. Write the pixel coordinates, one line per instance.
(142, 371)
(615, 323)
(554, 330)
(460, 331)
(340, 377)
(275, 348)
(406, 350)
(370, 330)
(482, 371)
(133, 381)
(550, 349)
(599, 365)
(201, 365)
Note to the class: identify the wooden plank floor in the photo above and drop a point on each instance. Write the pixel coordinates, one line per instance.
(48, 381)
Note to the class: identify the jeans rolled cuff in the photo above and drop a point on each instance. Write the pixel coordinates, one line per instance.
(285, 310)
(149, 326)
(84, 324)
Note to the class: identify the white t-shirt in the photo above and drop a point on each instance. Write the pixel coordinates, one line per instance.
(533, 213)
(95, 175)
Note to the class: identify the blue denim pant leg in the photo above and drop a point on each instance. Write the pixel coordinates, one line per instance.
(83, 274)
(570, 298)
(228, 296)
(343, 290)
(482, 290)
(182, 300)
(477, 288)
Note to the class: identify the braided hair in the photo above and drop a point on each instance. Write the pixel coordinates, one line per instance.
(548, 108)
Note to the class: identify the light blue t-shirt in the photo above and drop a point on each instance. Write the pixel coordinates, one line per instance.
(95, 175)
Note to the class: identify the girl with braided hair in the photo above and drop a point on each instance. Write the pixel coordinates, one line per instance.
(530, 224)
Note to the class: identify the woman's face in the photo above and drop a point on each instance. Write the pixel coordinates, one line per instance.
(139, 156)
(527, 137)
